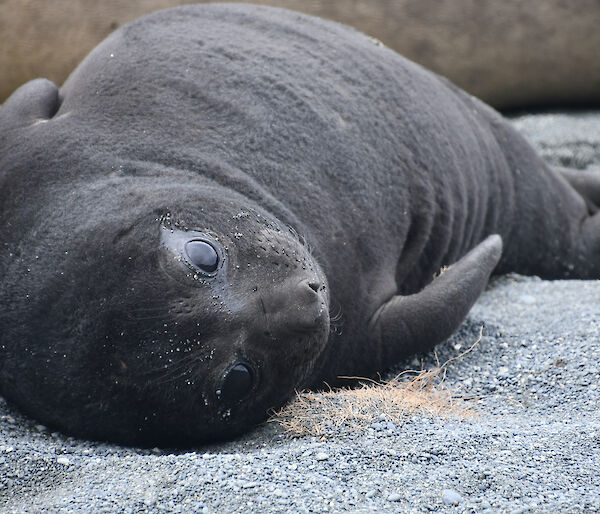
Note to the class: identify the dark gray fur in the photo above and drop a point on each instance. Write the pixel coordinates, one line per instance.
(248, 126)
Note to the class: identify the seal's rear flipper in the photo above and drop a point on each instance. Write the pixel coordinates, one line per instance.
(587, 255)
(586, 183)
(35, 101)
(414, 323)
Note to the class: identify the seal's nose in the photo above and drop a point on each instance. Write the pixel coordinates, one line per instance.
(307, 291)
(315, 286)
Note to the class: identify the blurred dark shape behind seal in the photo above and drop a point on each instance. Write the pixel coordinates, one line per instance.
(510, 53)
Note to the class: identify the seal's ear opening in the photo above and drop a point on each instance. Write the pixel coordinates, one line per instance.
(37, 100)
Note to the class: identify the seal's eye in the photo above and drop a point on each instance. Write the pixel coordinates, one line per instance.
(202, 255)
(237, 384)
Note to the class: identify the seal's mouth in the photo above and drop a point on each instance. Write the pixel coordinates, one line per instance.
(292, 307)
(313, 321)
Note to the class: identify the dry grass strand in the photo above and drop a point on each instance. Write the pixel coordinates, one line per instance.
(341, 410)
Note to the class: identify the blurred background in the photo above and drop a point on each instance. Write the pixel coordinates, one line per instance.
(513, 54)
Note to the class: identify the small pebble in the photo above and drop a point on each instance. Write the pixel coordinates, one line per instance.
(503, 371)
(394, 497)
(321, 456)
(451, 497)
(527, 298)
(64, 461)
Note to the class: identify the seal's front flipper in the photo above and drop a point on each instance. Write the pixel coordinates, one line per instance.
(414, 323)
(586, 183)
(38, 100)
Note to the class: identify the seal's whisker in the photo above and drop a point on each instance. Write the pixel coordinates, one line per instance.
(172, 371)
(158, 308)
(301, 239)
(338, 316)
(336, 321)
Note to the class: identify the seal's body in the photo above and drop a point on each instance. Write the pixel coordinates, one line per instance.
(178, 221)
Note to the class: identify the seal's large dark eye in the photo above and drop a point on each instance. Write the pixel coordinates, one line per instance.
(237, 384)
(202, 255)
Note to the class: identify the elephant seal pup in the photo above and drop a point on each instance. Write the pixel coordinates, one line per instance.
(512, 54)
(179, 220)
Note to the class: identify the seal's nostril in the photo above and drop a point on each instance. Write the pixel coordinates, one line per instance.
(315, 286)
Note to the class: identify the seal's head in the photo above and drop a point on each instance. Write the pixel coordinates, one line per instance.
(168, 315)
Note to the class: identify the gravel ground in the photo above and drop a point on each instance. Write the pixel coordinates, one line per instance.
(533, 447)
